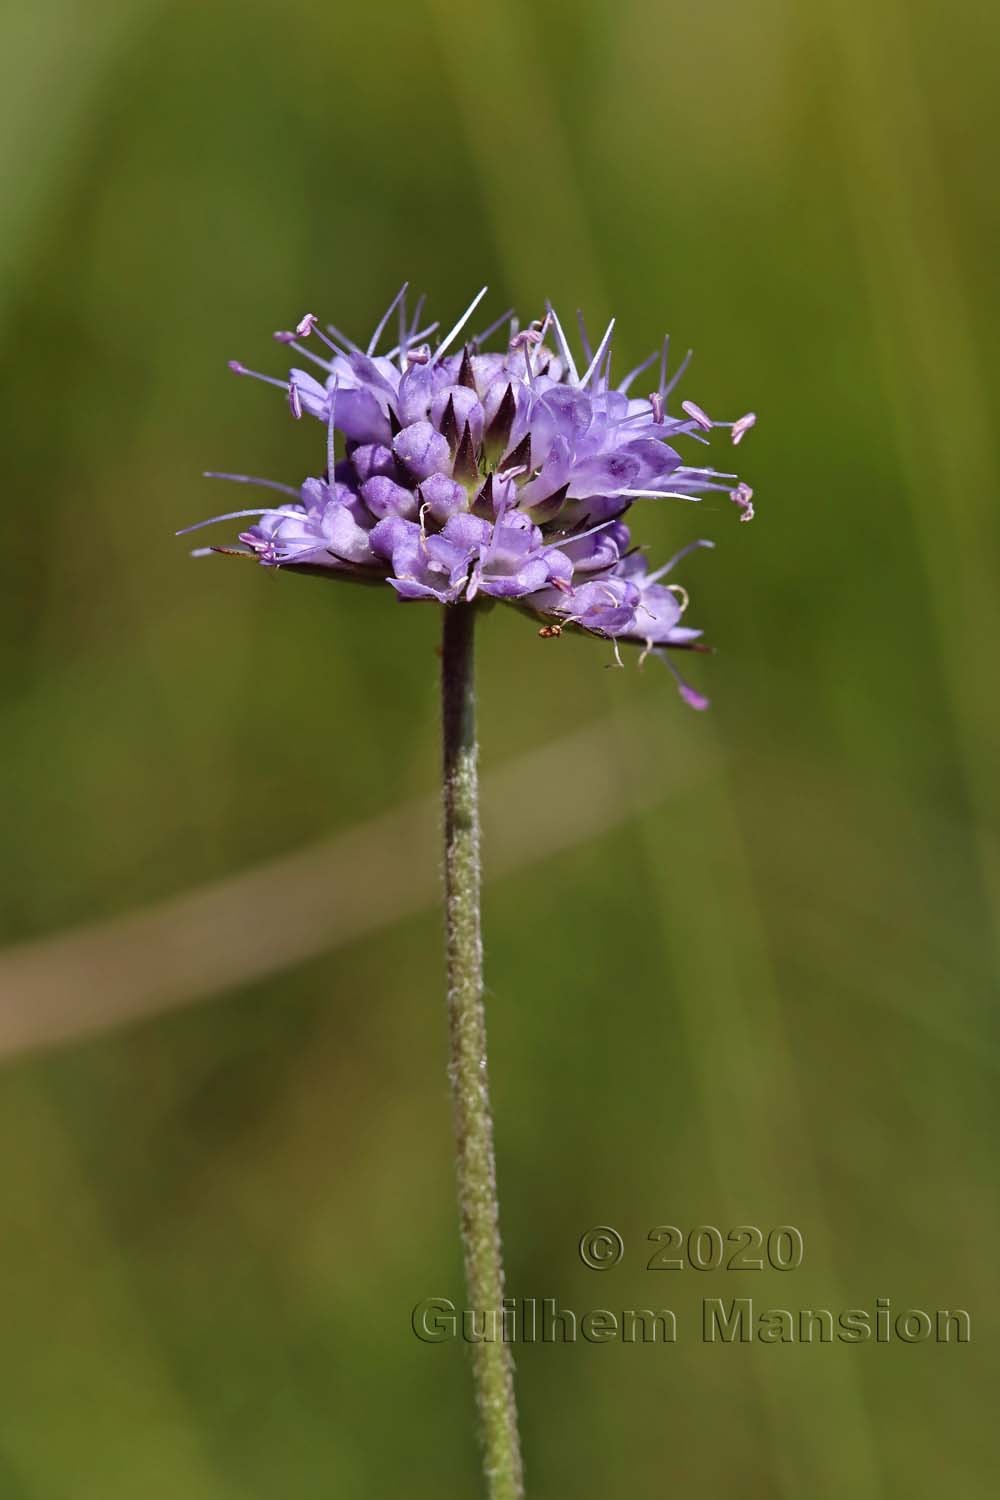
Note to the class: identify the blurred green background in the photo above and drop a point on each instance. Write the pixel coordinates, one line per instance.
(746, 972)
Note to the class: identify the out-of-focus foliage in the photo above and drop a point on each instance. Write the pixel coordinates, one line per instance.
(769, 1000)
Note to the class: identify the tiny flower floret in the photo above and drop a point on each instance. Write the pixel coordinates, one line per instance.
(453, 472)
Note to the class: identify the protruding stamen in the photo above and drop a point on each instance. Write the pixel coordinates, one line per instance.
(565, 353)
(576, 536)
(343, 339)
(291, 342)
(454, 332)
(402, 324)
(696, 414)
(480, 338)
(264, 484)
(408, 330)
(373, 341)
(692, 698)
(294, 400)
(677, 375)
(656, 402)
(601, 349)
(662, 571)
(330, 344)
(657, 495)
(418, 356)
(623, 385)
(742, 427)
(235, 515)
(241, 369)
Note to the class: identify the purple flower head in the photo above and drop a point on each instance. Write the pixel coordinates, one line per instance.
(451, 472)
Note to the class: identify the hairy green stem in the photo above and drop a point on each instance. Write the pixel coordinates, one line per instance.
(492, 1366)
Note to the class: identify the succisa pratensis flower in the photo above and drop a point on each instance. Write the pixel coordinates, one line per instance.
(503, 474)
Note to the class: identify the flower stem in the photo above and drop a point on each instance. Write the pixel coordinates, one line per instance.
(492, 1367)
